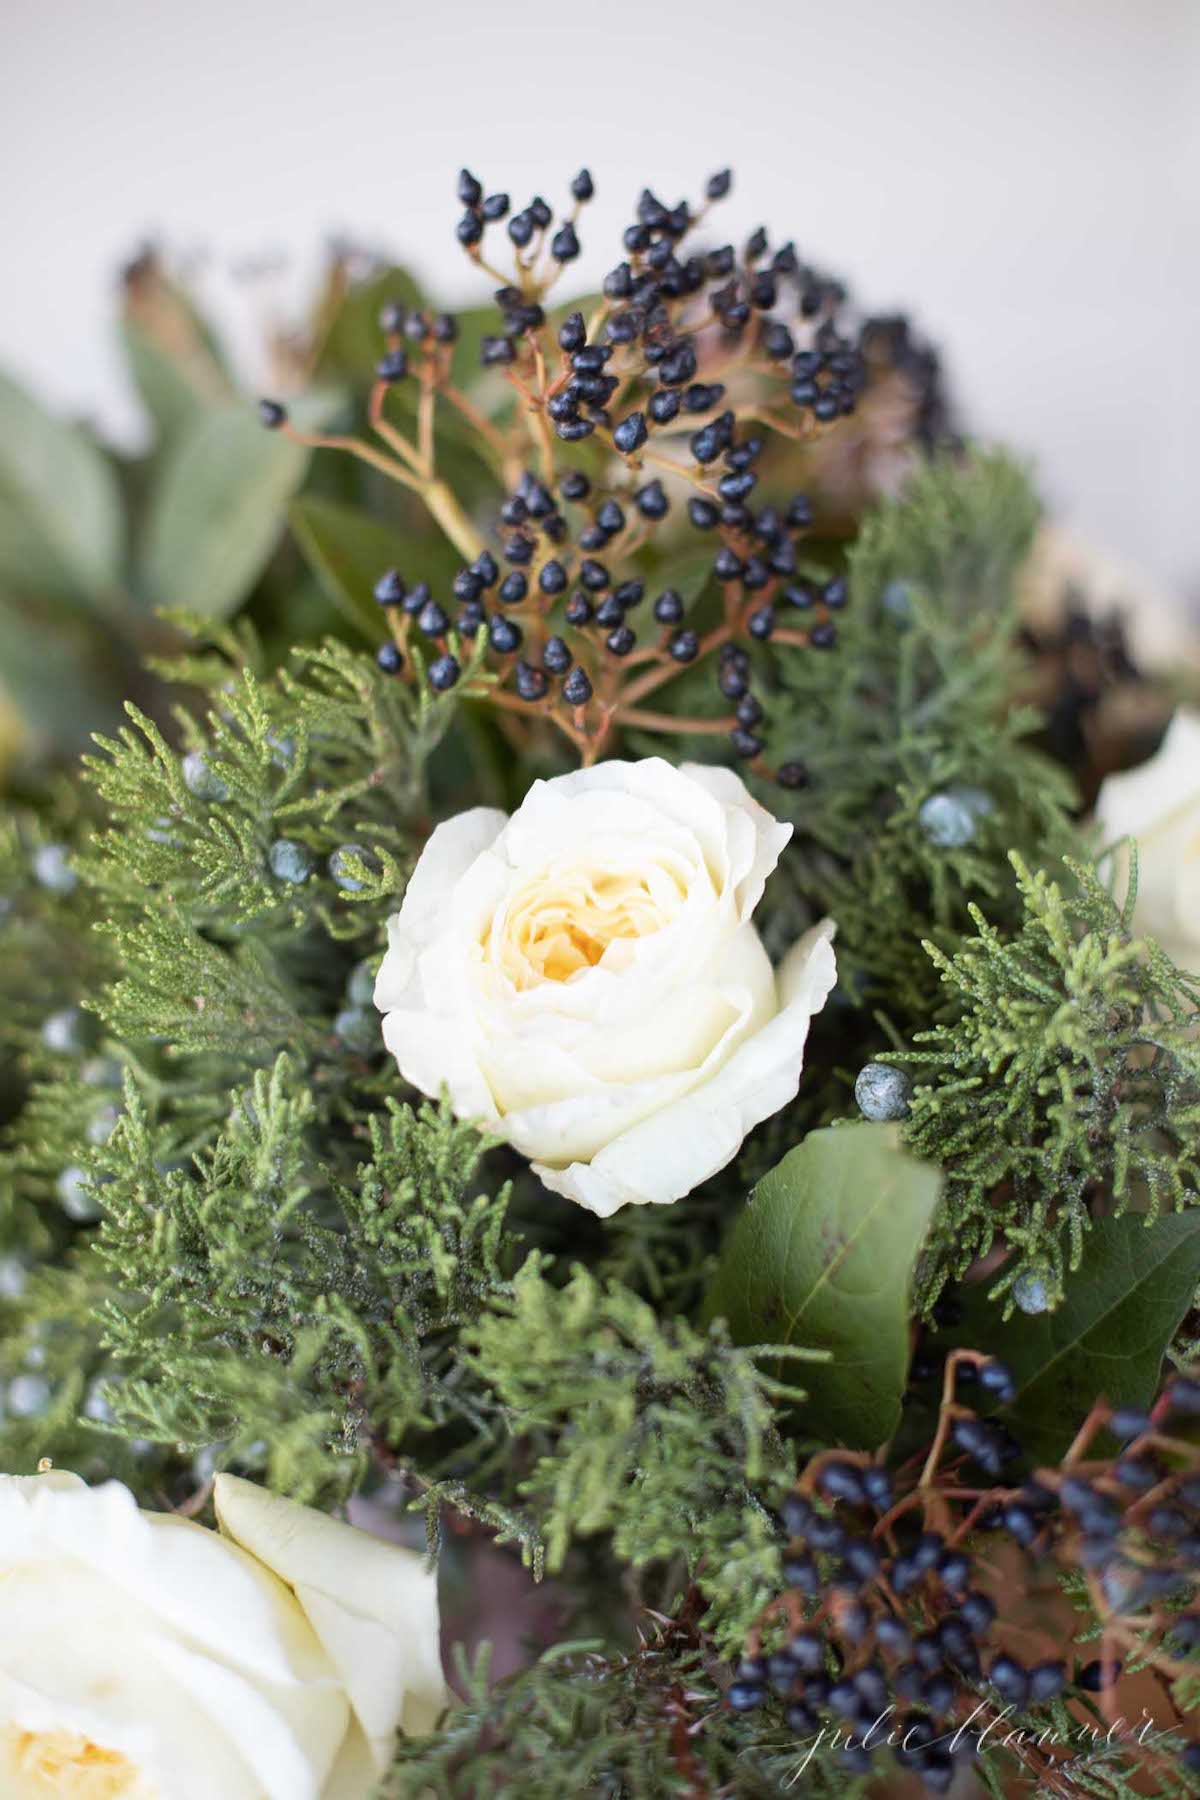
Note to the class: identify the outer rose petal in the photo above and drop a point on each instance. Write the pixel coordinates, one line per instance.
(452, 848)
(373, 1606)
(674, 1150)
(1158, 806)
(150, 1634)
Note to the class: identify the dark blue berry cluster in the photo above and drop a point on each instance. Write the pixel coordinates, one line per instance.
(695, 362)
(898, 1630)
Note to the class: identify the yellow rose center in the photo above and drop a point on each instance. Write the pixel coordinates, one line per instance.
(70, 1767)
(565, 920)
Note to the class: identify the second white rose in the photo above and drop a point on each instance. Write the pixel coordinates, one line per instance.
(1157, 806)
(585, 978)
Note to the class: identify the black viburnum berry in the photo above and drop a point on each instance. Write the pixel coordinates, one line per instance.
(432, 620)
(469, 191)
(651, 500)
(390, 589)
(556, 658)
(668, 608)
(572, 333)
(443, 673)
(564, 245)
(504, 635)
(576, 688)
(630, 434)
(389, 658)
(531, 683)
(620, 641)
(272, 414)
(684, 646)
(553, 578)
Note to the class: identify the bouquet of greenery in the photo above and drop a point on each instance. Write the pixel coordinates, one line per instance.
(572, 1060)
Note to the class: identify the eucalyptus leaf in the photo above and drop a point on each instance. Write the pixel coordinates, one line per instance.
(217, 512)
(165, 384)
(60, 510)
(822, 1258)
(1123, 1306)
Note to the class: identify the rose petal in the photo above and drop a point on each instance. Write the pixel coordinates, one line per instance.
(373, 1605)
(674, 1150)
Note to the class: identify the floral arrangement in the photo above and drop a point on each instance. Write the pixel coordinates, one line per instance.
(603, 1061)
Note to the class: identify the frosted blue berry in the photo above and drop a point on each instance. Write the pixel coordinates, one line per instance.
(882, 1093)
(283, 749)
(98, 1406)
(1031, 1291)
(65, 1032)
(160, 832)
(947, 823)
(52, 867)
(102, 1126)
(290, 861)
(201, 779)
(13, 1277)
(76, 1195)
(358, 1029)
(978, 801)
(897, 600)
(360, 988)
(101, 1071)
(348, 882)
(28, 1396)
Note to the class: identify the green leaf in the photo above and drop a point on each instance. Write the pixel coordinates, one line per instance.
(349, 552)
(90, 675)
(217, 512)
(351, 341)
(822, 1258)
(166, 385)
(1123, 1306)
(60, 509)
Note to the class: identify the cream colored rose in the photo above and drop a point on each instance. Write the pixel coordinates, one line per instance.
(143, 1657)
(1158, 805)
(584, 978)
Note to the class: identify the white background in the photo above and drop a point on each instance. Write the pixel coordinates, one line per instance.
(1023, 174)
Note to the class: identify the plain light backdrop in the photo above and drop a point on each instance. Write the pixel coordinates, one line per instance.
(1022, 174)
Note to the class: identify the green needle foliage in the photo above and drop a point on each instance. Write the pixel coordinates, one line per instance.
(229, 1242)
(1068, 1074)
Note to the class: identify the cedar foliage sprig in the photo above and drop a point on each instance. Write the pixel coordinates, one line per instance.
(1067, 1074)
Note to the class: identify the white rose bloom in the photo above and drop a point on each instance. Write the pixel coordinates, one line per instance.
(143, 1657)
(1158, 805)
(584, 978)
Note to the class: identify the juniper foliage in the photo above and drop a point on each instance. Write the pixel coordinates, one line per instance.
(1068, 1071)
(230, 1244)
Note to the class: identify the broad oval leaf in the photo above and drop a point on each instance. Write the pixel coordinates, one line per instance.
(60, 506)
(348, 551)
(218, 511)
(822, 1258)
(1123, 1305)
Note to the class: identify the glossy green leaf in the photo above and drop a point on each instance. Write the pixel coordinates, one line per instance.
(822, 1258)
(349, 551)
(60, 512)
(217, 512)
(1123, 1306)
